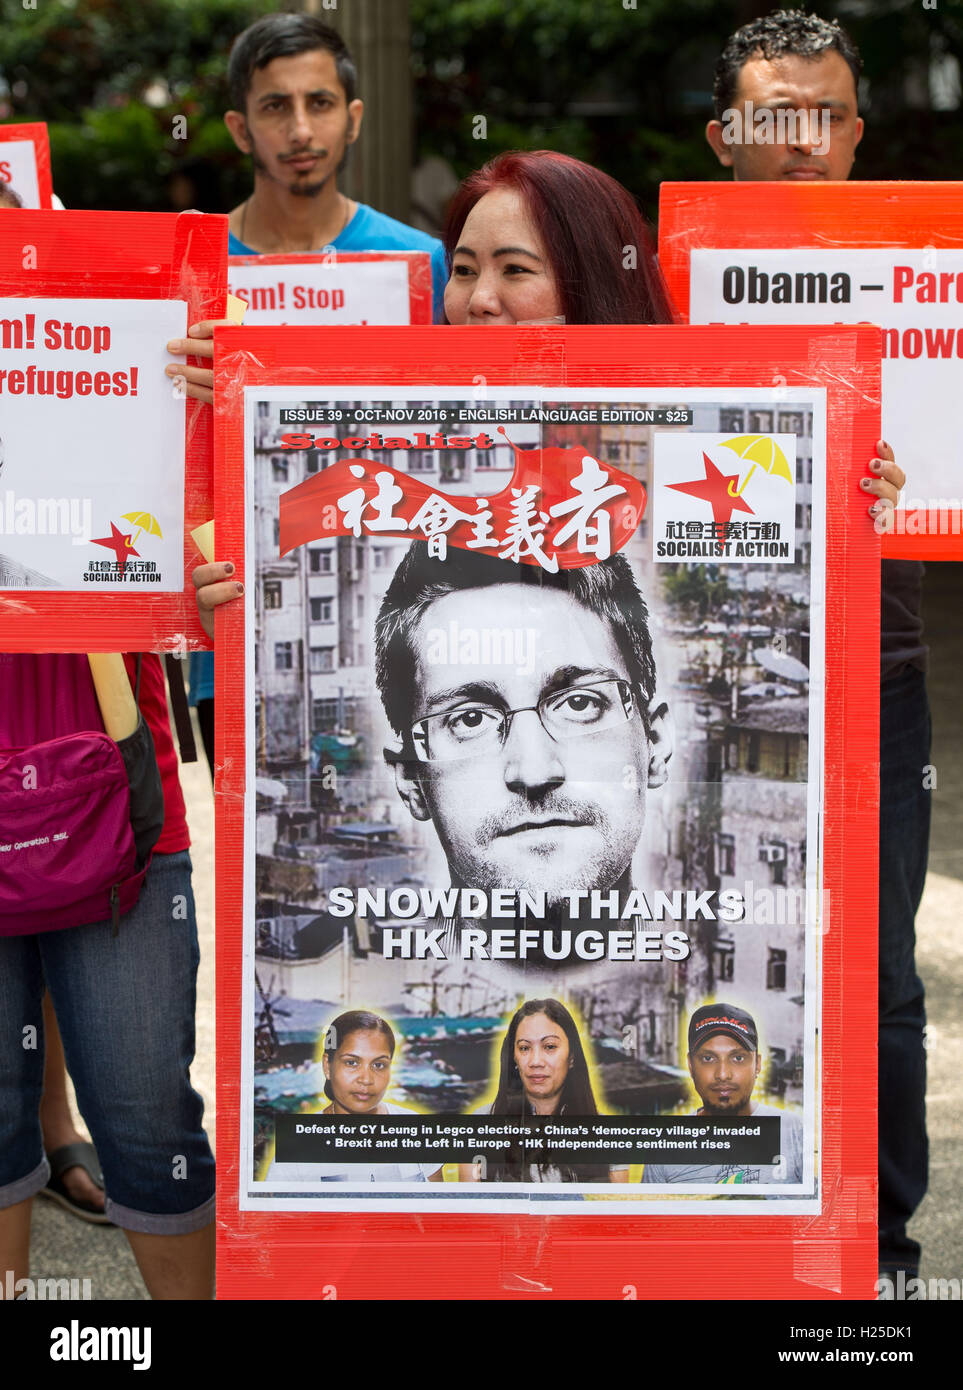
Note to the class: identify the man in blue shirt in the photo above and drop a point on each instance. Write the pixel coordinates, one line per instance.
(295, 111)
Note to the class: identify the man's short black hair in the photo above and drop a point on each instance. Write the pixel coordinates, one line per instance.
(607, 589)
(782, 34)
(284, 36)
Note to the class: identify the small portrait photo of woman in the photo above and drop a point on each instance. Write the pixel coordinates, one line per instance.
(543, 1070)
(359, 1049)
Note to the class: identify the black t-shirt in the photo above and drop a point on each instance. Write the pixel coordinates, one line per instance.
(901, 618)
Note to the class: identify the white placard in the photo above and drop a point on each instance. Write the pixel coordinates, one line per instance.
(323, 291)
(916, 296)
(92, 478)
(18, 170)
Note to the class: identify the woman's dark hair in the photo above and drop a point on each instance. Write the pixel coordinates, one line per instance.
(597, 240)
(577, 1097)
(782, 34)
(607, 589)
(9, 197)
(285, 36)
(354, 1021)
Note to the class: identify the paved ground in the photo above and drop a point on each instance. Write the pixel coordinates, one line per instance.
(63, 1245)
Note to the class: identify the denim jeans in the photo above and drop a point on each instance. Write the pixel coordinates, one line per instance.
(125, 1007)
(904, 828)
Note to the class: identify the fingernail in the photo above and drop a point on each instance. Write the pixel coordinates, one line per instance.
(883, 444)
(875, 509)
(239, 588)
(193, 328)
(175, 345)
(866, 482)
(228, 568)
(876, 465)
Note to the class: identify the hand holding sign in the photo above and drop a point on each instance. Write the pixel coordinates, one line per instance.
(886, 486)
(198, 382)
(213, 586)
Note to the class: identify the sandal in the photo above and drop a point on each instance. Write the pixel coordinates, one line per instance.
(76, 1155)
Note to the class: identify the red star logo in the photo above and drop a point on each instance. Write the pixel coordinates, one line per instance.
(714, 489)
(119, 544)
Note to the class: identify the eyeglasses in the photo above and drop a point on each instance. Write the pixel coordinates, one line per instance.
(474, 729)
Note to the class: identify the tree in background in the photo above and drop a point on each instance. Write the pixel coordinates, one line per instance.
(134, 93)
(626, 88)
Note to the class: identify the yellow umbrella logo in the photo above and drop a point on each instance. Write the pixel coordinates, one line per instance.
(761, 451)
(144, 521)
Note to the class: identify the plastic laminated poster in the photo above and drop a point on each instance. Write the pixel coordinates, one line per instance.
(106, 466)
(338, 287)
(547, 805)
(861, 252)
(25, 164)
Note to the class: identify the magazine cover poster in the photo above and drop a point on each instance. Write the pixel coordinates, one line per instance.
(534, 746)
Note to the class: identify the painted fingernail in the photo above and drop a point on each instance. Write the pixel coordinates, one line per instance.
(876, 465)
(228, 568)
(866, 482)
(239, 588)
(875, 509)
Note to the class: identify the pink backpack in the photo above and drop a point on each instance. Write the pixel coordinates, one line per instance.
(79, 813)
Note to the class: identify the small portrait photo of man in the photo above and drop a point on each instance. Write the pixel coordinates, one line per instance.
(724, 1062)
(531, 742)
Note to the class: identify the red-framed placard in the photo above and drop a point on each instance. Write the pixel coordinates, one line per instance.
(440, 1254)
(914, 301)
(342, 287)
(76, 258)
(25, 163)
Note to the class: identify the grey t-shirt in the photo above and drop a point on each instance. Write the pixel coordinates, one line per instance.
(741, 1174)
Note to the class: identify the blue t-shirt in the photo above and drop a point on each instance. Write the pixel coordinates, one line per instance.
(373, 231)
(367, 231)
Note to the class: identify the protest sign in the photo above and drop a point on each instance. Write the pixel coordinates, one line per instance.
(106, 465)
(538, 792)
(363, 287)
(886, 253)
(25, 164)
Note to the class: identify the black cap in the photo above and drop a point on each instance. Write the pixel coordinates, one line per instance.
(722, 1018)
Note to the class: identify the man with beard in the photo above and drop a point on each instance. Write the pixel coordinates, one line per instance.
(295, 112)
(724, 1062)
(790, 63)
(534, 774)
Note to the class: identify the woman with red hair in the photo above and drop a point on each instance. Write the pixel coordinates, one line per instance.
(550, 237)
(533, 237)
